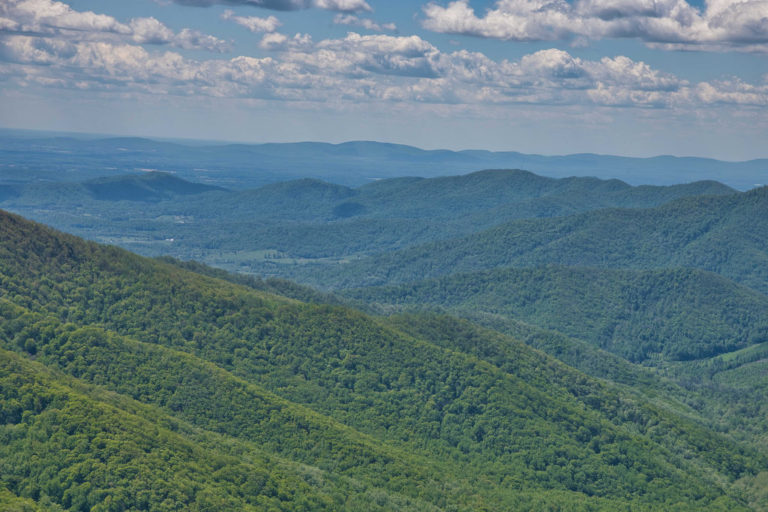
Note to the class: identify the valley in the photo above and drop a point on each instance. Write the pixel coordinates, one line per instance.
(489, 341)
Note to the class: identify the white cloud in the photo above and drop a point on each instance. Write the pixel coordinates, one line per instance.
(193, 40)
(366, 23)
(253, 23)
(672, 24)
(364, 68)
(273, 41)
(150, 31)
(389, 55)
(732, 92)
(47, 16)
(8, 25)
(56, 19)
(342, 5)
(287, 5)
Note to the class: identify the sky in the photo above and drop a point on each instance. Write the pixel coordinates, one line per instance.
(624, 77)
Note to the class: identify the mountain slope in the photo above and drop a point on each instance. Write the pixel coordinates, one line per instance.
(144, 188)
(672, 314)
(529, 433)
(210, 398)
(724, 234)
(505, 194)
(72, 445)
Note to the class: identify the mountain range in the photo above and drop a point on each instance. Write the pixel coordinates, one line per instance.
(300, 333)
(28, 156)
(272, 229)
(133, 383)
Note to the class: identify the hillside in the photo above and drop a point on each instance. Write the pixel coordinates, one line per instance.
(70, 445)
(668, 314)
(430, 424)
(723, 234)
(190, 389)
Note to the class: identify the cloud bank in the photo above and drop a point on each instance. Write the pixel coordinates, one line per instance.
(669, 24)
(49, 51)
(366, 68)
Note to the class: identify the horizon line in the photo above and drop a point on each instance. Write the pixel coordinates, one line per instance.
(226, 142)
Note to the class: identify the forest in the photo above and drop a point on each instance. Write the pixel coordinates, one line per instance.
(120, 372)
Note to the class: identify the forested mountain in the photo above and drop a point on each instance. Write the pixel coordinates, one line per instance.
(639, 315)
(274, 228)
(675, 321)
(122, 366)
(723, 234)
(501, 193)
(513, 194)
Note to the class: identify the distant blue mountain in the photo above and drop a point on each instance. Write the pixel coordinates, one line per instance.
(26, 158)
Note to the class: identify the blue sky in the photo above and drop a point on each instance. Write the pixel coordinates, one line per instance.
(629, 77)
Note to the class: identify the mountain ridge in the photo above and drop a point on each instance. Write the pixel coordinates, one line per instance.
(272, 228)
(724, 234)
(350, 163)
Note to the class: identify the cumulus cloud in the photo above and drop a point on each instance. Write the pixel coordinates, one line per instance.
(366, 23)
(287, 5)
(673, 24)
(363, 68)
(56, 19)
(273, 41)
(342, 5)
(253, 23)
(359, 54)
(47, 16)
